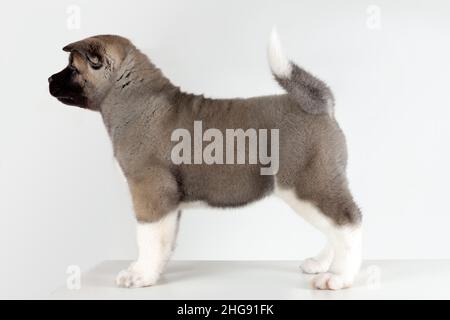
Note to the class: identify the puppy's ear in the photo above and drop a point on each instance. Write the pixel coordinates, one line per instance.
(93, 51)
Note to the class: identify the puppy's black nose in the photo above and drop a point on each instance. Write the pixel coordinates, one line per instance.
(50, 80)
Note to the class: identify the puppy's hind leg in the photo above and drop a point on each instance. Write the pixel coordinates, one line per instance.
(309, 212)
(346, 261)
(339, 218)
(345, 234)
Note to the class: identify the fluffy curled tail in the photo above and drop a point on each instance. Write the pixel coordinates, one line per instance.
(312, 94)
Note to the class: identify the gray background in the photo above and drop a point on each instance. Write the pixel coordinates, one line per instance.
(63, 202)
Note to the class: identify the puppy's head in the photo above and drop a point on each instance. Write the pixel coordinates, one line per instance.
(89, 74)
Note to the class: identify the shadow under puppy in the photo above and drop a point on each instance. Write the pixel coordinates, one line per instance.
(141, 109)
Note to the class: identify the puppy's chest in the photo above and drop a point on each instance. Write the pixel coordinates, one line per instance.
(135, 149)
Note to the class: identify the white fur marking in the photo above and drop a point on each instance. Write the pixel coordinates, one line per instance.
(279, 63)
(304, 208)
(194, 205)
(320, 263)
(155, 242)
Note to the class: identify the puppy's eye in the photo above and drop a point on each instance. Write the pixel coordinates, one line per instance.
(94, 61)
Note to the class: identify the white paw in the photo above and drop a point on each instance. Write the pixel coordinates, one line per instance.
(331, 281)
(134, 277)
(312, 266)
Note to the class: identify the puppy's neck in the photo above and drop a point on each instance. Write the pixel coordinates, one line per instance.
(137, 82)
(138, 73)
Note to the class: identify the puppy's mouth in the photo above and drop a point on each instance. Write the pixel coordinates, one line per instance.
(73, 101)
(66, 100)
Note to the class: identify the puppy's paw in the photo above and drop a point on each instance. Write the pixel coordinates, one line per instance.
(331, 281)
(312, 266)
(136, 278)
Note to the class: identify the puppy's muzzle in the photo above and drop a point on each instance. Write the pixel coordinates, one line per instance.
(62, 87)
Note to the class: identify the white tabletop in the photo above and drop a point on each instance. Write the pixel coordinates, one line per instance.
(381, 279)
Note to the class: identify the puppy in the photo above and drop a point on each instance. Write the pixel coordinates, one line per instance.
(141, 110)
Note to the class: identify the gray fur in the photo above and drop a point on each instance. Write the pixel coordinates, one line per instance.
(311, 93)
(140, 109)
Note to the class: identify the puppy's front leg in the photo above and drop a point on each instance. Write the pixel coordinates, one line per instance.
(156, 232)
